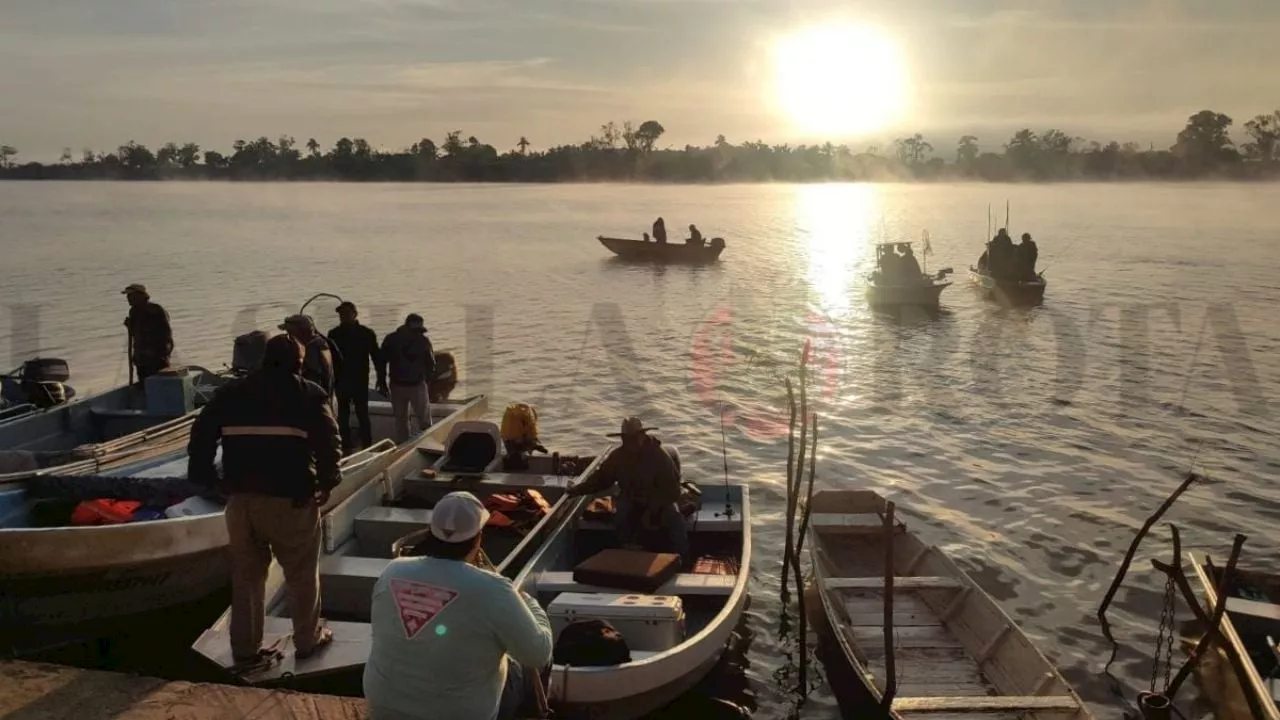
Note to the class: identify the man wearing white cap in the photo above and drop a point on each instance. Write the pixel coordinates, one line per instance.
(449, 638)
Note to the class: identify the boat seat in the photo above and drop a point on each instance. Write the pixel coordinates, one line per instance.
(850, 523)
(473, 446)
(904, 583)
(346, 583)
(378, 528)
(681, 584)
(984, 704)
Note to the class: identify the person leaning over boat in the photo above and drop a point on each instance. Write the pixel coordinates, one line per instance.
(451, 640)
(150, 335)
(280, 452)
(357, 345)
(648, 480)
(410, 364)
(322, 363)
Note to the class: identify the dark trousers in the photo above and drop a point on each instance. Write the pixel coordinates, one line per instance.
(349, 395)
(148, 366)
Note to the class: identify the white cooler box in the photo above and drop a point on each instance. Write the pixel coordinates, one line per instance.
(649, 623)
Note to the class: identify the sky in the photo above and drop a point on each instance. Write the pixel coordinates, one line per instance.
(98, 73)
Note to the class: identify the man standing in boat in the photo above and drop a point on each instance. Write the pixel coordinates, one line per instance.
(322, 362)
(647, 511)
(660, 231)
(357, 345)
(410, 364)
(452, 640)
(280, 453)
(150, 336)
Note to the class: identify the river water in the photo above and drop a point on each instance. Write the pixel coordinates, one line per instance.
(1029, 444)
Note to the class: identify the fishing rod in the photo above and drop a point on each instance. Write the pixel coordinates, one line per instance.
(724, 453)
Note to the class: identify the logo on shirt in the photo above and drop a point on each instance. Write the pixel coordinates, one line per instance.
(418, 603)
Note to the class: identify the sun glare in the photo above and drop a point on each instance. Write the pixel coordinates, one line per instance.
(839, 80)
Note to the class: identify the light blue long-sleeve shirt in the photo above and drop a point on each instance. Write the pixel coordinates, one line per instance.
(442, 633)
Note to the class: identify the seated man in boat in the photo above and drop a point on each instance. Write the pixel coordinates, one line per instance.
(695, 236)
(451, 640)
(660, 231)
(908, 267)
(648, 514)
(1002, 260)
(280, 452)
(1027, 253)
(889, 264)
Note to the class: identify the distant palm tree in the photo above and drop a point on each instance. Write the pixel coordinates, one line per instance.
(524, 145)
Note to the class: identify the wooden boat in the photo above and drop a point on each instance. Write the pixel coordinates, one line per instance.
(1009, 292)
(65, 583)
(107, 430)
(886, 289)
(366, 530)
(677, 252)
(1251, 628)
(956, 651)
(661, 668)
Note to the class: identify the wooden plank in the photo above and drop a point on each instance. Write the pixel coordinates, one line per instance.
(954, 672)
(849, 523)
(908, 619)
(682, 584)
(874, 602)
(900, 584)
(926, 688)
(990, 703)
(962, 716)
(929, 636)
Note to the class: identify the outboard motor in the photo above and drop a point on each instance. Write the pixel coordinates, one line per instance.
(717, 242)
(248, 352)
(42, 381)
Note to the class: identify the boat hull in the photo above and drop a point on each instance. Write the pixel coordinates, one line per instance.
(68, 584)
(906, 295)
(1010, 292)
(641, 251)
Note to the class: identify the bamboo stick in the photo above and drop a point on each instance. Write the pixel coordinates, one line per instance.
(791, 450)
(804, 527)
(890, 671)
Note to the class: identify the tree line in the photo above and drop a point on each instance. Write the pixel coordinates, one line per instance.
(1203, 149)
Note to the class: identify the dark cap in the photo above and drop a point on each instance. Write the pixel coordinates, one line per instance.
(296, 321)
(134, 288)
(282, 353)
(345, 305)
(413, 319)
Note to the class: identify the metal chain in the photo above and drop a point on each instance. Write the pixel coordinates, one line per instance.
(1164, 637)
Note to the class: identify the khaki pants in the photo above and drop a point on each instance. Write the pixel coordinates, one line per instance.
(260, 526)
(403, 396)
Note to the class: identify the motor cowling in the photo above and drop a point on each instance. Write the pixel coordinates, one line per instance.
(46, 370)
(249, 351)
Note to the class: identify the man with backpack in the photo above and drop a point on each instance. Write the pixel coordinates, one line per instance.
(410, 364)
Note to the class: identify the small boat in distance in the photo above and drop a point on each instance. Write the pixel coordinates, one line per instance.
(955, 652)
(1006, 272)
(1250, 633)
(898, 281)
(650, 251)
(1009, 292)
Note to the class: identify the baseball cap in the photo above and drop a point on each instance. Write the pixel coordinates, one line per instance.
(296, 320)
(345, 305)
(458, 517)
(134, 288)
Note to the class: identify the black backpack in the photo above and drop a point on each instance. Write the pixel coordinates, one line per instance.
(591, 643)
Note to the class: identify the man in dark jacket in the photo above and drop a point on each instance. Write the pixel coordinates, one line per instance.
(150, 337)
(280, 453)
(322, 363)
(648, 480)
(412, 364)
(357, 345)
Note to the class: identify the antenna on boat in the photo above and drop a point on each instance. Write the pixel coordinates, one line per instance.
(724, 453)
(317, 296)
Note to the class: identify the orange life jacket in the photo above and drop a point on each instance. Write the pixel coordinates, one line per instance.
(104, 511)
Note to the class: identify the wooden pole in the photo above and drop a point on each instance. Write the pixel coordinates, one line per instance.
(791, 451)
(804, 528)
(1213, 631)
(890, 670)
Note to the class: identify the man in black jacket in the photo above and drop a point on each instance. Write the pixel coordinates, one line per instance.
(412, 364)
(321, 361)
(357, 345)
(150, 337)
(280, 453)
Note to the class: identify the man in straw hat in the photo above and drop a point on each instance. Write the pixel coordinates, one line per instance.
(150, 335)
(452, 640)
(648, 481)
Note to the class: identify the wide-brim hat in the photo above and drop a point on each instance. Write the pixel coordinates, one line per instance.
(297, 321)
(631, 426)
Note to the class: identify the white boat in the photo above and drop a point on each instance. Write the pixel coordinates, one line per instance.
(676, 633)
(363, 532)
(956, 653)
(63, 584)
(108, 430)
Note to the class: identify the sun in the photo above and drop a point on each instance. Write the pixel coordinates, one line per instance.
(839, 80)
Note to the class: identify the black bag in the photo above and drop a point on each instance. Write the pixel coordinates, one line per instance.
(591, 643)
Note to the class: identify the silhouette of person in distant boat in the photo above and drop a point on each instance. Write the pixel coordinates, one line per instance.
(1027, 254)
(1001, 256)
(695, 237)
(908, 267)
(660, 231)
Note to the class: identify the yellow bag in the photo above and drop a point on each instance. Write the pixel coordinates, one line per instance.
(520, 424)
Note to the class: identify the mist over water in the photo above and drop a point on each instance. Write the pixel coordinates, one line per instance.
(1029, 444)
